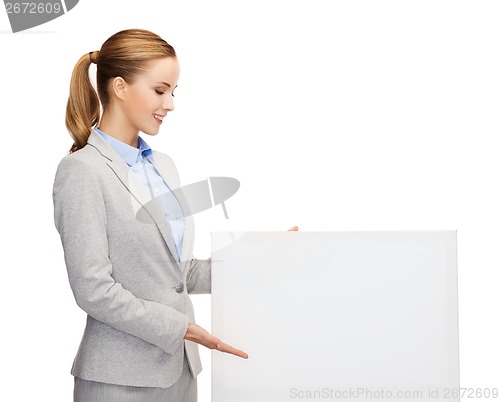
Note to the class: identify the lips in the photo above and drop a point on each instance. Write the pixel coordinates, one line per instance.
(157, 119)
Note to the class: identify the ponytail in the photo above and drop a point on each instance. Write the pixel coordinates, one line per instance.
(83, 108)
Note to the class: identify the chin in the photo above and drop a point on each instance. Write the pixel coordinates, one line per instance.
(150, 132)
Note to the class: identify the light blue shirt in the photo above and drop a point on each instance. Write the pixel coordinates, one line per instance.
(140, 160)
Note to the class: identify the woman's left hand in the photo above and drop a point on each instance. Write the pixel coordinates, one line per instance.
(294, 229)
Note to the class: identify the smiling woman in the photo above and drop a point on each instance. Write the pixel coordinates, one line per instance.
(132, 277)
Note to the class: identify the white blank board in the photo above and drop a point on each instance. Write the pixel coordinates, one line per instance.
(363, 315)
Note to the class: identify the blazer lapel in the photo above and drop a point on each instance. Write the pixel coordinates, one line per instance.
(147, 210)
(166, 169)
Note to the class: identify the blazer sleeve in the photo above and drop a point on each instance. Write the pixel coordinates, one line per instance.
(80, 218)
(199, 277)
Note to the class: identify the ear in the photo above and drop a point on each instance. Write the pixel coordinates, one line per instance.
(119, 87)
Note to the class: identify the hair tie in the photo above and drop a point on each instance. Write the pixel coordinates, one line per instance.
(90, 57)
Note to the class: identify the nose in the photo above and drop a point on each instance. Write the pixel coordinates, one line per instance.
(168, 104)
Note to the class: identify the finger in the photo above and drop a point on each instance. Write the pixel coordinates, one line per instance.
(224, 347)
(295, 228)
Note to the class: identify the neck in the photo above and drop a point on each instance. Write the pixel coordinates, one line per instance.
(120, 129)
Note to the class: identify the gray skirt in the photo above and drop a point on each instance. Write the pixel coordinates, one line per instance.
(184, 390)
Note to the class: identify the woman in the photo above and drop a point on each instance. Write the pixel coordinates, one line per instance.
(128, 253)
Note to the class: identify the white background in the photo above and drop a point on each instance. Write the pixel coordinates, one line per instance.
(334, 115)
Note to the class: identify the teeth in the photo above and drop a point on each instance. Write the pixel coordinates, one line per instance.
(158, 117)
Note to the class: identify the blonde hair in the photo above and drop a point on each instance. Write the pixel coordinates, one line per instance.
(127, 54)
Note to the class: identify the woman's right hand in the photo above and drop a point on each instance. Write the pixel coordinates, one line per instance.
(197, 334)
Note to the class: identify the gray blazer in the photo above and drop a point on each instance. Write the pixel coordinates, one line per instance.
(124, 271)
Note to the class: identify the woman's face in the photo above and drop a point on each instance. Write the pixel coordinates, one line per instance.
(151, 94)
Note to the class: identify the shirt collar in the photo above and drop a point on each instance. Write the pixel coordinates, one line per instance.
(131, 155)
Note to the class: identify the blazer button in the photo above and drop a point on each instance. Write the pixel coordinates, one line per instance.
(179, 287)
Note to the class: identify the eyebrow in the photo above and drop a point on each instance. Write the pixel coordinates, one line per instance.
(166, 83)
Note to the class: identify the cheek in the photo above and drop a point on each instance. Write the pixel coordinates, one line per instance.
(142, 103)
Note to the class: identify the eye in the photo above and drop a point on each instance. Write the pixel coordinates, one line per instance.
(161, 93)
